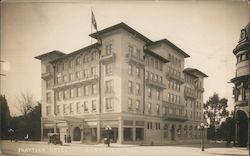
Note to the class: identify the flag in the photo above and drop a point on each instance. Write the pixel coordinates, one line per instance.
(93, 20)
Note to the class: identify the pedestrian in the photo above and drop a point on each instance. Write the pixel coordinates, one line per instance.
(65, 139)
(26, 137)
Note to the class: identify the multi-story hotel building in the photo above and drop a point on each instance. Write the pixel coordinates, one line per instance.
(134, 85)
(242, 87)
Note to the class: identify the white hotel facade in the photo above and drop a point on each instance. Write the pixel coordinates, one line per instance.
(136, 86)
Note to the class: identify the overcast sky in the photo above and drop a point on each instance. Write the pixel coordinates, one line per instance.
(207, 31)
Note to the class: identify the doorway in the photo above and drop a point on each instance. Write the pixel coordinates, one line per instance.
(77, 134)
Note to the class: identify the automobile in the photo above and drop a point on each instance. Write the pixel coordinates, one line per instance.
(54, 138)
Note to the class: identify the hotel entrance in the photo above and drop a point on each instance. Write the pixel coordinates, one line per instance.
(241, 128)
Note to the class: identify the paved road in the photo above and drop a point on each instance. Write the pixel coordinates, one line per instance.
(43, 149)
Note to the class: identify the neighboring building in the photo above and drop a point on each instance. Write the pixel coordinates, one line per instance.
(127, 82)
(242, 86)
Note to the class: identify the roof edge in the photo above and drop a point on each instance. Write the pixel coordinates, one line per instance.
(74, 52)
(197, 70)
(150, 52)
(49, 53)
(171, 45)
(118, 26)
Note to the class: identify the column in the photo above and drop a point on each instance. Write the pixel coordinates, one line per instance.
(82, 135)
(98, 131)
(55, 128)
(134, 134)
(120, 132)
(41, 129)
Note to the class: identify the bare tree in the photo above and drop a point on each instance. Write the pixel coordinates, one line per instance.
(25, 102)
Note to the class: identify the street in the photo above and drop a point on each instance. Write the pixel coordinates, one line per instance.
(28, 148)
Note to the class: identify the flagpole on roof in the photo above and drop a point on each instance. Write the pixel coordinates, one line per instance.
(91, 25)
(94, 24)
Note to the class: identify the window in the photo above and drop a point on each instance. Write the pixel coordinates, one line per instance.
(108, 49)
(93, 70)
(65, 78)
(151, 76)
(71, 76)
(158, 94)
(71, 107)
(158, 109)
(137, 71)
(160, 79)
(78, 104)
(130, 49)
(169, 97)
(149, 92)
(109, 86)
(85, 73)
(172, 98)
(85, 59)
(93, 105)
(108, 68)
(78, 74)
(47, 69)
(129, 104)
(161, 66)
(149, 107)
(138, 53)
(152, 62)
(65, 94)
(71, 63)
(178, 99)
(64, 108)
(94, 89)
(130, 69)
(137, 105)
(65, 65)
(130, 86)
(57, 109)
(79, 92)
(137, 89)
(94, 56)
(48, 110)
(85, 106)
(156, 64)
(86, 90)
(78, 61)
(59, 78)
(48, 84)
(60, 95)
(146, 75)
(109, 103)
(48, 97)
(72, 92)
(59, 68)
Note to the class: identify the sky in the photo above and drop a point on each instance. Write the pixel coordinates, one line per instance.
(207, 30)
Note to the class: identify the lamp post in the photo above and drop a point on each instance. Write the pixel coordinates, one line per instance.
(108, 128)
(202, 127)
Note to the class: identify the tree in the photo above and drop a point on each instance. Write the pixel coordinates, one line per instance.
(28, 124)
(34, 118)
(25, 103)
(226, 130)
(215, 109)
(5, 117)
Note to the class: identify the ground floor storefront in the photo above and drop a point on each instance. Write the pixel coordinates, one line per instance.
(120, 129)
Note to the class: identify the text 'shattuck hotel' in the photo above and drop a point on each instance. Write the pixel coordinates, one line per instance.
(136, 86)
